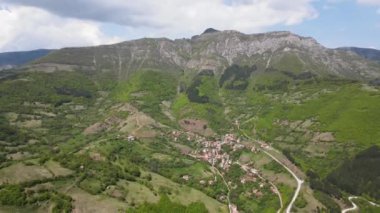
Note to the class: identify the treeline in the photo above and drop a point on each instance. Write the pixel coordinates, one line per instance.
(10, 133)
(324, 191)
(73, 92)
(277, 85)
(104, 173)
(193, 93)
(12, 195)
(300, 76)
(167, 206)
(46, 88)
(360, 175)
(236, 77)
(15, 195)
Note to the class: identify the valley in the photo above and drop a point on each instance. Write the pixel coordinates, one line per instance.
(192, 125)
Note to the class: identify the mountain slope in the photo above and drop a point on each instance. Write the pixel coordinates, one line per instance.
(217, 50)
(370, 54)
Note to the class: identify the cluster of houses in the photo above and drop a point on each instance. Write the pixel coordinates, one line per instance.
(214, 153)
(253, 175)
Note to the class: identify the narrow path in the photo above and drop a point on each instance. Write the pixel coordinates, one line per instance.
(279, 196)
(224, 181)
(299, 181)
(245, 168)
(228, 188)
(354, 206)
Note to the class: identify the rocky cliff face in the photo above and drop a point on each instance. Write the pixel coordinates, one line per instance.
(215, 50)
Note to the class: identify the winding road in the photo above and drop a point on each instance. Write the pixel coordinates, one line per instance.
(299, 181)
(354, 206)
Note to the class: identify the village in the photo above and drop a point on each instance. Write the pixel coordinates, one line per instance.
(217, 152)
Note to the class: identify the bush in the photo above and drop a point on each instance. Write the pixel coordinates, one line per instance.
(12, 195)
(167, 206)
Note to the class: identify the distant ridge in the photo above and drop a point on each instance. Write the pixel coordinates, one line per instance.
(367, 53)
(14, 59)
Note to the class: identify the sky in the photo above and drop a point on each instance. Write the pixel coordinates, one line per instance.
(34, 24)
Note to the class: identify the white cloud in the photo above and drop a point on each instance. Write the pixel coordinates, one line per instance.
(169, 13)
(185, 18)
(172, 18)
(24, 28)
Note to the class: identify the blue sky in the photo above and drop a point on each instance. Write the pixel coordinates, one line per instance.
(55, 24)
(345, 23)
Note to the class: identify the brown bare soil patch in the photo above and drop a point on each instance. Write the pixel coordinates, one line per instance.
(323, 137)
(57, 169)
(97, 156)
(196, 126)
(18, 155)
(102, 126)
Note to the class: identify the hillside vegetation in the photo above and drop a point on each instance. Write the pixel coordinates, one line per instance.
(191, 125)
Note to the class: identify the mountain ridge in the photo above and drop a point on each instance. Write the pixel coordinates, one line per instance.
(10, 60)
(367, 53)
(216, 51)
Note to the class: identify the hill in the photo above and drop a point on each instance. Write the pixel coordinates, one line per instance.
(360, 174)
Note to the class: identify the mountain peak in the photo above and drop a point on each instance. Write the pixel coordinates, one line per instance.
(210, 30)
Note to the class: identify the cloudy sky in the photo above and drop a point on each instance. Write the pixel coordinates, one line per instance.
(32, 24)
